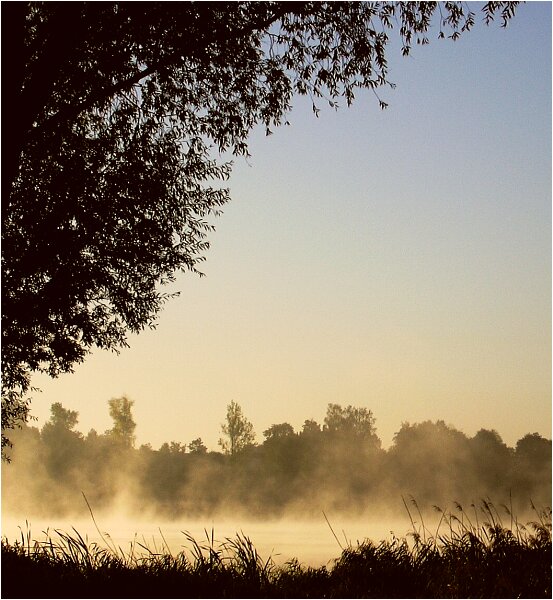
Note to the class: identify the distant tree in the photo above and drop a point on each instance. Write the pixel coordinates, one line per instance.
(164, 474)
(345, 454)
(62, 418)
(278, 431)
(63, 445)
(532, 470)
(350, 421)
(431, 461)
(197, 447)
(177, 448)
(492, 463)
(237, 429)
(310, 427)
(120, 410)
(173, 448)
(117, 112)
(534, 448)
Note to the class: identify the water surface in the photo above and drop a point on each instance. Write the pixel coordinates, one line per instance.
(313, 542)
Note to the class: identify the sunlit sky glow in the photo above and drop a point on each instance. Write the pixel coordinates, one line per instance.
(398, 260)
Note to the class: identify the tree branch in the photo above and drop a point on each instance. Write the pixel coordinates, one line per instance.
(13, 45)
(67, 114)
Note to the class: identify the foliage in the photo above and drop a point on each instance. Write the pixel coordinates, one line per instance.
(532, 460)
(173, 448)
(350, 421)
(196, 446)
(467, 561)
(118, 111)
(63, 445)
(62, 417)
(15, 407)
(492, 459)
(441, 450)
(279, 431)
(310, 427)
(237, 429)
(120, 410)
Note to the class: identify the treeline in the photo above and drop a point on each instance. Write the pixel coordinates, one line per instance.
(337, 466)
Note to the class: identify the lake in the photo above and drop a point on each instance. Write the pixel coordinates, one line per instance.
(312, 542)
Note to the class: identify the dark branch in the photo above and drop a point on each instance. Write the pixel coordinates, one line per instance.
(67, 114)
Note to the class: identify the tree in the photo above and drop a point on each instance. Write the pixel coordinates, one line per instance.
(533, 466)
(351, 422)
(310, 428)
(278, 431)
(491, 463)
(62, 444)
(115, 113)
(429, 461)
(120, 410)
(62, 418)
(237, 429)
(175, 448)
(197, 447)
(534, 449)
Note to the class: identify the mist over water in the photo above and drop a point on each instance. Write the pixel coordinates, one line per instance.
(310, 541)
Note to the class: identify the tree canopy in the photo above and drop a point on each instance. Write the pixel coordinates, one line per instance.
(237, 431)
(196, 446)
(120, 410)
(118, 118)
(278, 431)
(350, 421)
(62, 418)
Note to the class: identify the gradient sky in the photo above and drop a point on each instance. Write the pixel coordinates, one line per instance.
(398, 260)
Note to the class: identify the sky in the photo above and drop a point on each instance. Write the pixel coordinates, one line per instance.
(397, 260)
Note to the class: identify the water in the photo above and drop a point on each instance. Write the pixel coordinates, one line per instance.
(313, 543)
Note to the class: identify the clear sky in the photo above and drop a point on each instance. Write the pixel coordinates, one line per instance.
(398, 260)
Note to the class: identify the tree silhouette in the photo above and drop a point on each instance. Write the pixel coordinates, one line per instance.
(278, 431)
(533, 467)
(62, 418)
(310, 428)
(120, 410)
(492, 460)
(197, 446)
(430, 458)
(112, 109)
(352, 422)
(237, 429)
(63, 445)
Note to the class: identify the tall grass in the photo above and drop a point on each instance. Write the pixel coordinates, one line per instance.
(471, 553)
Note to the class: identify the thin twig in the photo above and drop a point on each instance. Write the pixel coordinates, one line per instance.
(335, 536)
(96, 525)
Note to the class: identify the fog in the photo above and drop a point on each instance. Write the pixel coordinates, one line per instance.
(310, 541)
(304, 494)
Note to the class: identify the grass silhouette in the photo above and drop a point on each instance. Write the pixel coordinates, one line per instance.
(471, 554)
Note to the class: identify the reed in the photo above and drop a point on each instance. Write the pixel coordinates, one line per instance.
(471, 553)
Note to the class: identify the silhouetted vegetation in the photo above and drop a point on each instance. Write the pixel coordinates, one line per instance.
(339, 467)
(461, 560)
